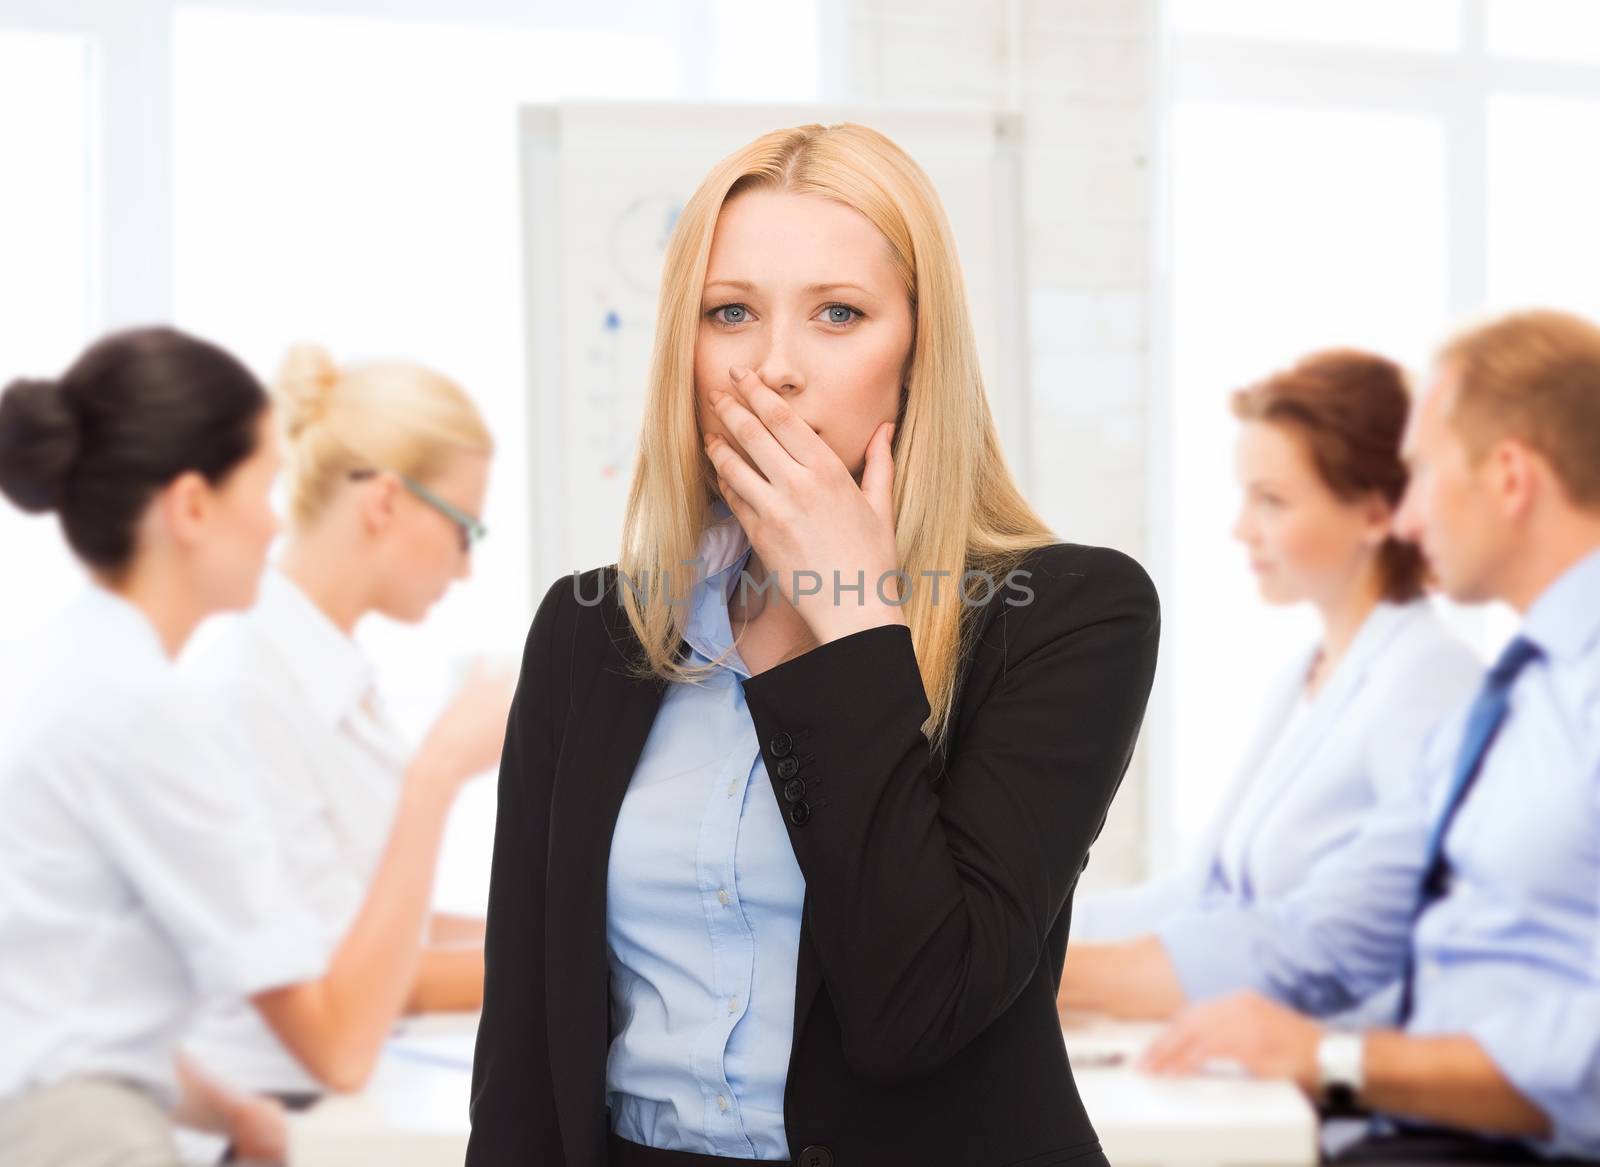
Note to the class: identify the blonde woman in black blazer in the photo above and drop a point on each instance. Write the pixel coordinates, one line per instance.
(958, 725)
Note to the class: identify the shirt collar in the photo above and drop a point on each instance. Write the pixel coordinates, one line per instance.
(120, 627)
(724, 549)
(1379, 628)
(328, 666)
(1565, 620)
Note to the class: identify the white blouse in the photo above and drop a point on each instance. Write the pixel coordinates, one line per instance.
(136, 869)
(1233, 849)
(703, 908)
(300, 716)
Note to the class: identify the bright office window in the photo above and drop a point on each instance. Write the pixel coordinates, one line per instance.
(1544, 187)
(1424, 25)
(354, 183)
(1544, 30)
(1293, 230)
(46, 295)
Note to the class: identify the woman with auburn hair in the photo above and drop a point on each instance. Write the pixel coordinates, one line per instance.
(388, 466)
(1318, 460)
(795, 794)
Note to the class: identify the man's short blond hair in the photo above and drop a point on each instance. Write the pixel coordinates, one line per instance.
(1533, 376)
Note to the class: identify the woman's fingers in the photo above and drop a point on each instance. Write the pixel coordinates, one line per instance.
(734, 472)
(761, 446)
(791, 431)
(877, 476)
(736, 504)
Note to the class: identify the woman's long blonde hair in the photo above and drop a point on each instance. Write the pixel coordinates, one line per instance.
(956, 506)
(379, 415)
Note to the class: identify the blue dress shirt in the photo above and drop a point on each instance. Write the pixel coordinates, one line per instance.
(1510, 954)
(703, 906)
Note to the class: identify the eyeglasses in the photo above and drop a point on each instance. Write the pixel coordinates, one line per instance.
(469, 527)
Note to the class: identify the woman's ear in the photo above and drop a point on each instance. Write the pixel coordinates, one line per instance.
(378, 498)
(1378, 515)
(180, 510)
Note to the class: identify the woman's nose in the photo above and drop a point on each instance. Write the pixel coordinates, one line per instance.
(779, 367)
(1242, 530)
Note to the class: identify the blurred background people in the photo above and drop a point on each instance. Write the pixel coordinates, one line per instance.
(134, 870)
(387, 471)
(1476, 885)
(1318, 458)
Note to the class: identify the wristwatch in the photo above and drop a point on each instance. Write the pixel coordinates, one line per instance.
(1339, 1069)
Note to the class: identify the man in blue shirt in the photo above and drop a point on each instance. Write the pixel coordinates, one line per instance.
(1477, 886)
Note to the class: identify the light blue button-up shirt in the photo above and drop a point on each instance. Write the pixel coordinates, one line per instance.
(703, 907)
(1510, 955)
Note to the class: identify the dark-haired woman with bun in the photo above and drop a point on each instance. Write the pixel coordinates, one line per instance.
(135, 872)
(1320, 473)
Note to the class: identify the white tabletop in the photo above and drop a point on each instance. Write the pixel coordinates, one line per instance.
(414, 1111)
(1193, 1122)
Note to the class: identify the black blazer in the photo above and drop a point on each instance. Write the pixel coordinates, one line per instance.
(938, 886)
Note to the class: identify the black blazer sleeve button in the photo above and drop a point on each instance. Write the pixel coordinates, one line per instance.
(800, 814)
(788, 767)
(794, 790)
(815, 1156)
(781, 745)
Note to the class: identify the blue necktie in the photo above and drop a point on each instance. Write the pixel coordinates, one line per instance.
(1483, 723)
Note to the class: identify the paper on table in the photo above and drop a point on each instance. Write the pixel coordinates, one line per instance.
(1094, 1041)
(444, 1049)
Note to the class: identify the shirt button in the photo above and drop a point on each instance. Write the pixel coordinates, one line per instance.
(723, 897)
(733, 1004)
(722, 1102)
(733, 787)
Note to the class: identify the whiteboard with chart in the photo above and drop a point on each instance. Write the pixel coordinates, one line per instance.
(602, 185)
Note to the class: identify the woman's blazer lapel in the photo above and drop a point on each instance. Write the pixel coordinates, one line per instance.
(599, 751)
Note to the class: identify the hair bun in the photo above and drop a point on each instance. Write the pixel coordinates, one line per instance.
(304, 385)
(39, 443)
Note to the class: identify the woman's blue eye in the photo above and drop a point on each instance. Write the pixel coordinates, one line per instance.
(841, 313)
(735, 314)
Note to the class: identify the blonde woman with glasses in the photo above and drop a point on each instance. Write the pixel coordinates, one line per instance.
(387, 469)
